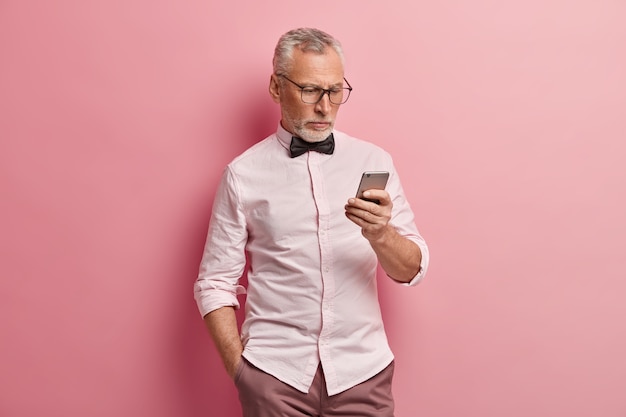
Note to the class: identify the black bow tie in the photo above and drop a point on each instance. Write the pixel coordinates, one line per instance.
(299, 146)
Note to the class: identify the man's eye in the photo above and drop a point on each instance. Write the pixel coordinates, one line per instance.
(311, 90)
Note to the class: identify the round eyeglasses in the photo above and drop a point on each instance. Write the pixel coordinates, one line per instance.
(313, 94)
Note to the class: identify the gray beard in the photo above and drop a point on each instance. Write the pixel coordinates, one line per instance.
(313, 136)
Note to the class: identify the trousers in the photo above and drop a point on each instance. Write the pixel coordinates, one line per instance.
(262, 395)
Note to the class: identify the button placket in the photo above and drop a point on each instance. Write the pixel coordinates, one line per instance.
(326, 258)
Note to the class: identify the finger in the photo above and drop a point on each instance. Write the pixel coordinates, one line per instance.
(381, 195)
(365, 216)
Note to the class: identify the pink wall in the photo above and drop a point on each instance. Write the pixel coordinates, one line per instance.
(507, 122)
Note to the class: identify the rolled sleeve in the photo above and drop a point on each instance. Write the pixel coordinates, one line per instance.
(223, 260)
(403, 220)
(209, 299)
(423, 264)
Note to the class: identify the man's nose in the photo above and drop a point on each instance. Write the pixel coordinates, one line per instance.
(324, 104)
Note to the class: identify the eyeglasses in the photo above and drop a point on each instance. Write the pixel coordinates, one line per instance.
(313, 95)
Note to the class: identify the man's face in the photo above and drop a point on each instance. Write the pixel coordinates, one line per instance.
(311, 122)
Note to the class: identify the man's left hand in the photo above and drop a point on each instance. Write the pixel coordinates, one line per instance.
(372, 218)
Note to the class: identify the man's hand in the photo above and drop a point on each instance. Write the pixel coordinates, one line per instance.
(399, 257)
(372, 218)
(232, 366)
(222, 325)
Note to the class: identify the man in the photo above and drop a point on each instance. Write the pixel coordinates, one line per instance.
(312, 342)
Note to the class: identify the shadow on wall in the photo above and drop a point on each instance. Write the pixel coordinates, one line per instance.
(205, 387)
(264, 116)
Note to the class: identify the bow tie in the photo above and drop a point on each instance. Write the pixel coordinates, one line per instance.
(299, 146)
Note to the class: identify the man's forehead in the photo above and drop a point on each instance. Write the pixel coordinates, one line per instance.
(318, 67)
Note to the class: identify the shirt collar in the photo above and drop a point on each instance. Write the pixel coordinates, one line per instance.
(283, 136)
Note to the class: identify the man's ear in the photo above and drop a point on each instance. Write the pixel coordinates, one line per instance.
(274, 88)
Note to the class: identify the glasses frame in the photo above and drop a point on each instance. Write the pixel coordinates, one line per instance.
(324, 91)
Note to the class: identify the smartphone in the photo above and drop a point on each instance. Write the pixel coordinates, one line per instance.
(372, 180)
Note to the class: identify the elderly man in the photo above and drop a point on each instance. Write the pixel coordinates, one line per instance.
(312, 342)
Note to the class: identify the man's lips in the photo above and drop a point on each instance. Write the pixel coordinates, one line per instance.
(319, 125)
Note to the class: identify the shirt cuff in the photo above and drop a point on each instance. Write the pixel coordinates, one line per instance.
(210, 300)
(423, 265)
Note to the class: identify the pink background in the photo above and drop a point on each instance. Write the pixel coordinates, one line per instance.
(507, 123)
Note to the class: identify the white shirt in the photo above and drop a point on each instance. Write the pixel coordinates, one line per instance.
(311, 292)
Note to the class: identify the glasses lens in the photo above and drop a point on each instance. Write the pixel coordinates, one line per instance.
(339, 96)
(311, 95)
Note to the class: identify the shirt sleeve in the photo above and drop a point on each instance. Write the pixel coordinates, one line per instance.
(223, 260)
(403, 219)
(423, 264)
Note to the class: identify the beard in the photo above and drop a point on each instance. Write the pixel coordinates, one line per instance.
(310, 135)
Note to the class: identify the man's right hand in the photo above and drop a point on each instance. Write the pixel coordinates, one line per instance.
(222, 325)
(232, 368)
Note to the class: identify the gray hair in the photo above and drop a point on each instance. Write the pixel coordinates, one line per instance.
(306, 40)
